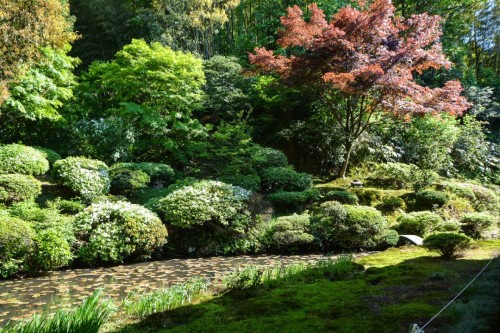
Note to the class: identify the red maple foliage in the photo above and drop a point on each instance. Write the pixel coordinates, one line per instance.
(366, 58)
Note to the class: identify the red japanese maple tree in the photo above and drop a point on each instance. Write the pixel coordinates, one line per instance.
(364, 62)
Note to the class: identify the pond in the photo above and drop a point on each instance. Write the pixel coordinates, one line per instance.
(23, 297)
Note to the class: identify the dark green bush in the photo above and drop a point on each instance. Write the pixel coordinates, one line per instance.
(364, 228)
(112, 232)
(475, 224)
(447, 244)
(16, 245)
(44, 219)
(284, 179)
(451, 225)
(265, 158)
(429, 199)
(418, 223)
(392, 203)
(126, 181)
(249, 182)
(49, 154)
(52, 250)
(325, 220)
(156, 171)
(88, 178)
(344, 197)
(15, 188)
(289, 234)
(390, 238)
(70, 207)
(22, 159)
(288, 202)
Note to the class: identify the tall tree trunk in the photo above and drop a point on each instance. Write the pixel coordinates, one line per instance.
(347, 155)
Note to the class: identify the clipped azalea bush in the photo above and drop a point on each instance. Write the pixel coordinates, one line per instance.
(16, 245)
(126, 181)
(327, 217)
(86, 177)
(289, 202)
(429, 199)
(209, 217)
(418, 223)
(16, 158)
(284, 179)
(447, 244)
(475, 224)
(392, 203)
(17, 187)
(156, 171)
(205, 201)
(290, 234)
(113, 232)
(51, 250)
(364, 228)
(249, 182)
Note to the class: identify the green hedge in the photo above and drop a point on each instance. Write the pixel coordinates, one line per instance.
(284, 179)
(16, 158)
(16, 187)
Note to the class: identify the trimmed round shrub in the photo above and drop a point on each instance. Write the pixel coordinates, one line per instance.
(325, 220)
(156, 171)
(52, 250)
(344, 197)
(457, 207)
(451, 225)
(288, 202)
(89, 178)
(15, 188)
(418, 223)
(71, 207)
(126, 181)
(429, 199)
(288, 234)
(475, 224)
(392, 203)
(249, 182)
(16, 158)
(284, 179)
(16, 245)
(390, 238)
(363, 228)
(49, 154)
(209, 217)
(448, 244)
(265, 158)
(112, 232)
(205, 201)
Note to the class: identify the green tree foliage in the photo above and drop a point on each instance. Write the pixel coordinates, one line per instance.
(150, 90)
(42, 90)
(226, 89)
(26, 26)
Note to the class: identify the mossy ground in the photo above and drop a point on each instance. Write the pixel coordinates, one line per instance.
(399, 287)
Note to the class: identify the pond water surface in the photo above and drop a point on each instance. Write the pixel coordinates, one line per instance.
(23, 297)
